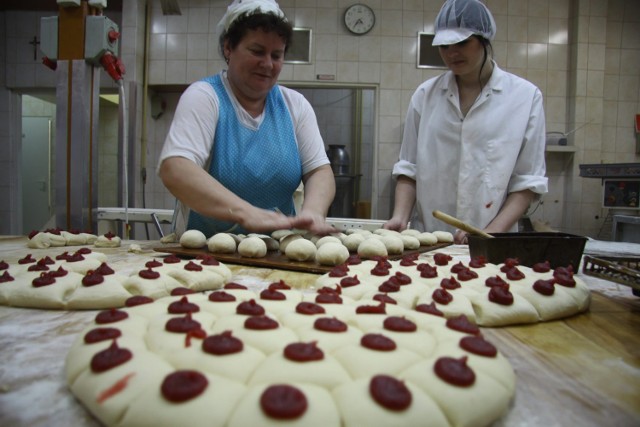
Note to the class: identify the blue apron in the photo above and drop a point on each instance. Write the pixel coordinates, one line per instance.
(261, 166)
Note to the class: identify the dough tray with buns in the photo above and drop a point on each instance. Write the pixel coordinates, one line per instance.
(275, 259)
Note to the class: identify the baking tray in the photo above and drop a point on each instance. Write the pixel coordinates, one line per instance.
(560, 249)
(276, 259)
(623, 270)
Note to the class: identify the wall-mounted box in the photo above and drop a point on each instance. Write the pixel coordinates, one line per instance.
(300, 50)
(621, 193)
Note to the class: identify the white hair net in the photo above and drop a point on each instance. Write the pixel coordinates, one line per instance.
(460, 19)
(238, 7)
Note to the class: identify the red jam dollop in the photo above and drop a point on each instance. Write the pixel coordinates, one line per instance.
(544, 287)
(272, 295)
(330, 324)
(441, 259)
(514, 274)
(92, 278)
(233, 285)
(458, 267)
(501, 295)
(389, 286)
(110, 358)
(348, 282)
(260, 323)
(137, 300)
(467, 274)
(27, 260)
(399, 324)
(454, 371)
(181, 386)
(303, 352)
(427, 271)
(149, 274)
(450, 283)
(309, 308)
(332, 298)
(3, 265)
(45, 279)
(372, 309)
(354, 259)
(153, 264)
(111, 316)
(478, 262)
(377, 342)
(542, 267)
(182, 325)
(221, 296)
(478, 345)
(283, 402)
(182, 306)
(172, 259)
(222, 344)
(429, 309)
(384, 298)
(250, 308)
(192, 266)
(339, 270)
(101, 334)
(105, 270)
(180, 291)
(462, 324)
(279, 285)
(390, 393)
(442, 296)
(495, 281)
(6, 277)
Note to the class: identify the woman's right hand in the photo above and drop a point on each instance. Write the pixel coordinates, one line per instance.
(395, 224)
(262, 220)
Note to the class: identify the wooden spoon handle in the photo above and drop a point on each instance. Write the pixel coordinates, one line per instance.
(459, 224)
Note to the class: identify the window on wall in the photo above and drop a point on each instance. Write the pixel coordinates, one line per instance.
(300, 50)
(428, 55)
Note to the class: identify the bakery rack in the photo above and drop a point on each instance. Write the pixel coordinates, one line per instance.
(623, 270)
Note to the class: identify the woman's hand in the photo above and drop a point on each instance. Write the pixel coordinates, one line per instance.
(460, 237)
(316, 224)
(395, 224)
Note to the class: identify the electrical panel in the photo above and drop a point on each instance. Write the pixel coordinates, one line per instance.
(101, 36)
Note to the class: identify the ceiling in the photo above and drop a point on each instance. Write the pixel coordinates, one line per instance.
(46, 5)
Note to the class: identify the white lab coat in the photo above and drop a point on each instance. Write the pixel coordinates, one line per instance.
(466, 166)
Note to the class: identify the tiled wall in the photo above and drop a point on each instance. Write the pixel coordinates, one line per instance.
(583, 54)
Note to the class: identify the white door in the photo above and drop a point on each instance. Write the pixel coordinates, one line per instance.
(36, 173)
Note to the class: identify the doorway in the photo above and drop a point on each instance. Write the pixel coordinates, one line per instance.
(36, 173)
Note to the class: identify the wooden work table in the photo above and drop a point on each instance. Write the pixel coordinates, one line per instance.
(580, 371)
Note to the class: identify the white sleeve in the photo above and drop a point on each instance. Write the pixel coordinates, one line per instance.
(310, 144)
(406, 164)
(530, 169)
(194, 125)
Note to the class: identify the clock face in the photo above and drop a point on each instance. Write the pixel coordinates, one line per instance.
(359, 19)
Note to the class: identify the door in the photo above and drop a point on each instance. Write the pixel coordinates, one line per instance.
(36, 173)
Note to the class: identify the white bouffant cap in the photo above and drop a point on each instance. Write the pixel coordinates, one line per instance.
(460, 19)
(238, 7)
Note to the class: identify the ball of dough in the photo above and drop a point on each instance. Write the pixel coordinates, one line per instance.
(393, 244)
(272, 244)
(411, 232)
(279, 234)
(326, 239)
(443, 236)
(284, 242)
(352, 241)
(222, 243)
(372, 247)
(252, 247)
(427, 239)
(332, 253)
(365, 233)
(301, 250)
(410, 242)
(193, 239)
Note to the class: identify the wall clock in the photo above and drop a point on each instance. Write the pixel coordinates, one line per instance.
(359, 19)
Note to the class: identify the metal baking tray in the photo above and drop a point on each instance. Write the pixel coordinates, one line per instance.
(623, 270)
(560, 249)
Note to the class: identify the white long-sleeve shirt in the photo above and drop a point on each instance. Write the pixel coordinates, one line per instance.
(467, 166)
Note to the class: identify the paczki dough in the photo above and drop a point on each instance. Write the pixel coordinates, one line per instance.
(252, 247)
(372, 247)
(332, 253)
(222, 243)
(301, 250)
(193, 239)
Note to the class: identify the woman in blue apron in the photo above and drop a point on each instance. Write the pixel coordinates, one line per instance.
(240, 145)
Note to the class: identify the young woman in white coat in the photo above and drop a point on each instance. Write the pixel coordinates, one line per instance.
(474, 137)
